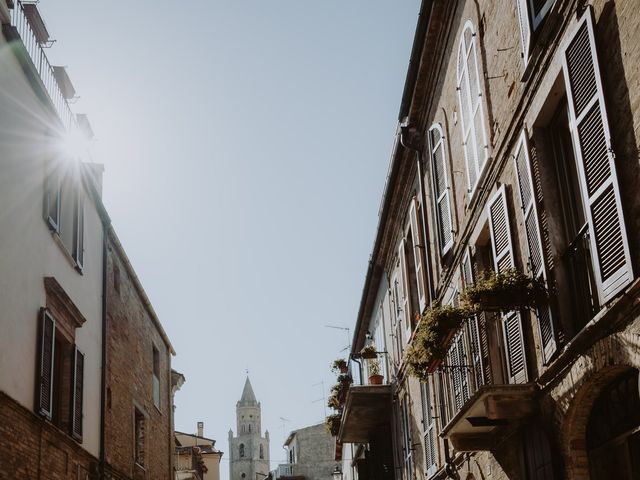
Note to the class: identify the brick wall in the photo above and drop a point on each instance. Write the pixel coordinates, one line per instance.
(32, 448)
(131, 338)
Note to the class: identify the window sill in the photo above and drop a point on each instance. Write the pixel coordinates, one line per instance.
(56, 237)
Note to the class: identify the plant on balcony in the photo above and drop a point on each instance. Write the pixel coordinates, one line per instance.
(332, 423)
(375, 378)
(434, 328)
(369, 352)
(505, 291)
(340, 366)
(334, 402)
(345, 378)
(339, 390)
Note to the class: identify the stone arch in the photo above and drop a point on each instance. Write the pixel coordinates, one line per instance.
(579, 388)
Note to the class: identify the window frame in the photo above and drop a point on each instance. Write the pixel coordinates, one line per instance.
(439, 197)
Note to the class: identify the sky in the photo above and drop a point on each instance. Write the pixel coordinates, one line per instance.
(246, 145)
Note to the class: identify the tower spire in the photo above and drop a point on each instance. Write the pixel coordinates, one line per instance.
(248, 397)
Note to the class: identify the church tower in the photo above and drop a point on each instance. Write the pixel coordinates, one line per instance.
(248, 450)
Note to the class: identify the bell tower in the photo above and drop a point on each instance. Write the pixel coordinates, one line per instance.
(248, 450)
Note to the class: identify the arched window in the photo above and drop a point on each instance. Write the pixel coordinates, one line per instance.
(474, 137)
(440, 182)
(241, 449)
(261, 451)
(249, 427)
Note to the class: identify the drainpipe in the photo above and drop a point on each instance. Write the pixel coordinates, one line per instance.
(103, 374)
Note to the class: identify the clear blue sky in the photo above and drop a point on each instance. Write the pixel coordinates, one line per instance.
(246, 144)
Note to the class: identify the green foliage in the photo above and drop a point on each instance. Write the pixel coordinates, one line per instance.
(332, 423)
(338, 364)
(369, 352)
(433, 329)
(334, 402)
(504, 291)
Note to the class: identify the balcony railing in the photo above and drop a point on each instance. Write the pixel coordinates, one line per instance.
(41, 63)
(284, 470)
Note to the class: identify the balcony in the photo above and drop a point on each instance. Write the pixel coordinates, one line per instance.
(26, 25)
(480, 406)
(367, 409)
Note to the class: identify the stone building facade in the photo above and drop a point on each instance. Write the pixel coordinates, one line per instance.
(139, 408)
(310, 452)
(516, 149)
(249, 449)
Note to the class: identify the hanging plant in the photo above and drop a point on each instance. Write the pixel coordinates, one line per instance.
(369, 352)
(345, 378)
(334, 402)
(340, 365)
(505, 291)
(332, 423)
(428, 345)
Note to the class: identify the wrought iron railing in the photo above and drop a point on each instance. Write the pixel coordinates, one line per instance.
(41, 63)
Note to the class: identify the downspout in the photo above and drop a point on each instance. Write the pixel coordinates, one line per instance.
(103, 374)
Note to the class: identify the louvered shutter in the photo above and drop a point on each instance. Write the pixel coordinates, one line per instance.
(525, 28)
(475, 340)
(529, 205)
(596, 166)
(77, 392)
(418, 249)
(404, 291)
(502, 246)
(428, 423)
(46, 353)
(52, 201)
(441, 190)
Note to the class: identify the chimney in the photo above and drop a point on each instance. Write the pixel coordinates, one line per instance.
(201, 429)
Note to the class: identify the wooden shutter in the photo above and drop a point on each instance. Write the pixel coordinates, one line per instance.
(428, 423)
(45, 370)
(599, 184)
(529, 205)
(77, 393)
(441, 190)
(52, 200)
(503, 257)
(418, 249)
(475, 341)
(405, 307)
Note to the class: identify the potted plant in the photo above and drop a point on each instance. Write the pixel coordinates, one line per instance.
(340, 366)
(332, 423)
(505, 291)
(369, 352)
(434, 329)
(334, 402)
(374, 372)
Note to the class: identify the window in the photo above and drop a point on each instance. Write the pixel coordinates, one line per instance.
(503, 258)
(440, 186)
(156, 377)
(416, 257)
(139, 438)
(429, 426)
(60, 376)
(64, 211)
(529, 205)
(261, 451)
(407, 448)
(474, 137)
(241, 450)
(530, 16)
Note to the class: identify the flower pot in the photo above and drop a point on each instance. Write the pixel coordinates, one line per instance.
(375, 379)
(369, 355)
(504, 301)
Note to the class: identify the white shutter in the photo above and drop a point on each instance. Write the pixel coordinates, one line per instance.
(405, 304)
(599, 184)
(418, 253)
(441, 189)
(502, 246)
(429, 428)
(525, 28)
(529, 202)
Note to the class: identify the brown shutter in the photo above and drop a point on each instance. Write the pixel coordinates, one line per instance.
(77, 393)
(504, 259)
(45, 364)
(599, 184)
(529, 205)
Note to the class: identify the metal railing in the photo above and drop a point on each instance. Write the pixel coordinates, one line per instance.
(284, 470)
(41, 63)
